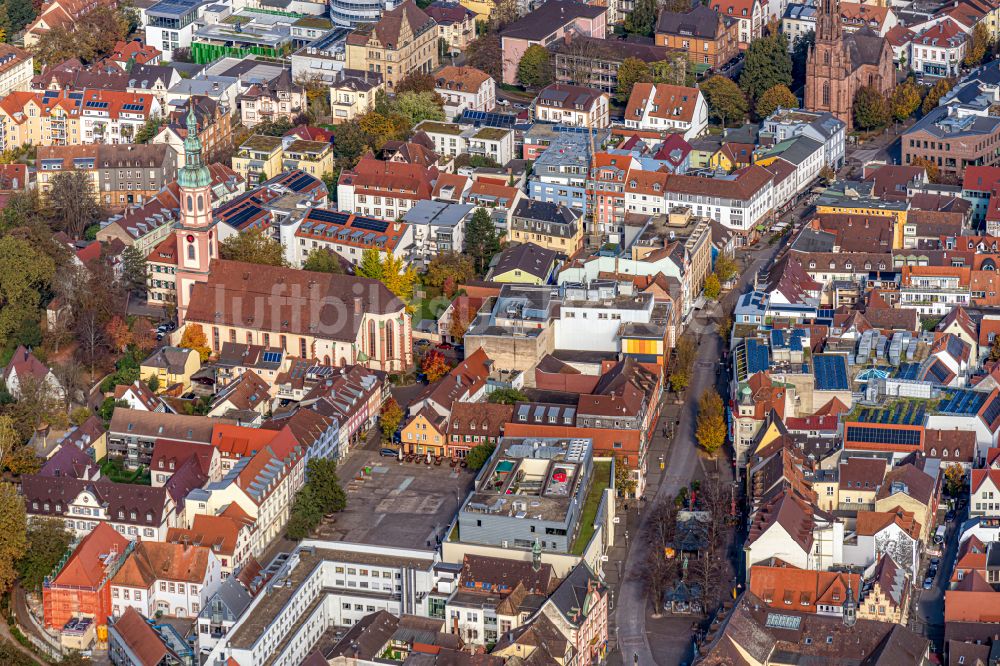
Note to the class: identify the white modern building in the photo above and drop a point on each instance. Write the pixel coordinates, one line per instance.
(325, 584)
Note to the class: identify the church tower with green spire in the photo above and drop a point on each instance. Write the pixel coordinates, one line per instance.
(197, 244)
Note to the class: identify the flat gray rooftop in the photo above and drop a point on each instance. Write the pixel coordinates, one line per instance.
(398, 504)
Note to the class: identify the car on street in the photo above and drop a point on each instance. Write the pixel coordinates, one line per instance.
(518, 105)
(445, 345)
(935, 561)
(950, 516)
(928, 583)
(388, 453)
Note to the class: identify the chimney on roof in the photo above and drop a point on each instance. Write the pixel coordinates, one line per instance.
(357, 305)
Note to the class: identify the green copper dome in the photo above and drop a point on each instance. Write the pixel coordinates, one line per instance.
(194, 172)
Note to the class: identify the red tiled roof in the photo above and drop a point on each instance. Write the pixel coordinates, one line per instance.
(142, 639)
(85, 567)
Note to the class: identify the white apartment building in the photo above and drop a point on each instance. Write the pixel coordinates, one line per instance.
(324, 584)
(464, 88)
(168, 578)
(573, 105)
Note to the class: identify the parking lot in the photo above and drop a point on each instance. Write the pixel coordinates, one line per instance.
(409, 505)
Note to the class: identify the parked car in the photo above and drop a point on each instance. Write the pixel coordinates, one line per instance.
(950, 516)
(388, 453)
(935, 561)
(445, 345)
(928, 583)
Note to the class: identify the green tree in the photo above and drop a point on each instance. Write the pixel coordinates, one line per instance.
(485, 54)
(48, 540)
(134, 269)
(371, 265)
(419, 106)
(905, 100)
(980, 45)
(712, 287)
(535, 68)
(675, 69)
(321, 475)
(323, 260)
(305, 514)
(25, 272)
(767, 65)
(683, 365)
(390, 418)
(642, 19)
(710, 430)
(871, 108)
(72, 204)
(506, 396)
(458, 268)
(481, 239)
(277, 127)
(934, 95)
(725, 99)
(19, 13)
(726, 267)
(800, 56)
(398, 276)
(416, 81)
(149, 129)
(350, 141)
(13, 534)
(778, 96)
(625, 483)
(254, 246)
(478, 455)
(631, 72)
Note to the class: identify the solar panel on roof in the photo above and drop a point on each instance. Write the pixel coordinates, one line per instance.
(992, 411)
(831, 372)
(370, 224)
(133, 107)
(96, 105)
(938, 372)
(272, 357)
(243, 216)
(331, 216)
(501, 120)
(299, 183)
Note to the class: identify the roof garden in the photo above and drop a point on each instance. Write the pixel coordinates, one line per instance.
(601, 482)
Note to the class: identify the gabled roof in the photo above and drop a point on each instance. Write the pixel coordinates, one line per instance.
(802, 590)
(140, 392)
(528, 258)
(662, 100)
(92, 558)
(151, 561)
(910, 480)
(979, 477)
(790, 512)
(141, 639)
(870, 523)
(24, 364)
(550, 17)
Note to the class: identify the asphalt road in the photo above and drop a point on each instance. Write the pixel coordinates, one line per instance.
(632, 602)
(930, 606)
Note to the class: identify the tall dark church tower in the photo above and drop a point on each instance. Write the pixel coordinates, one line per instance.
(828, 68)
(841, 63)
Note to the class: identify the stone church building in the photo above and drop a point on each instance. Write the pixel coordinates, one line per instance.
(841, 63)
